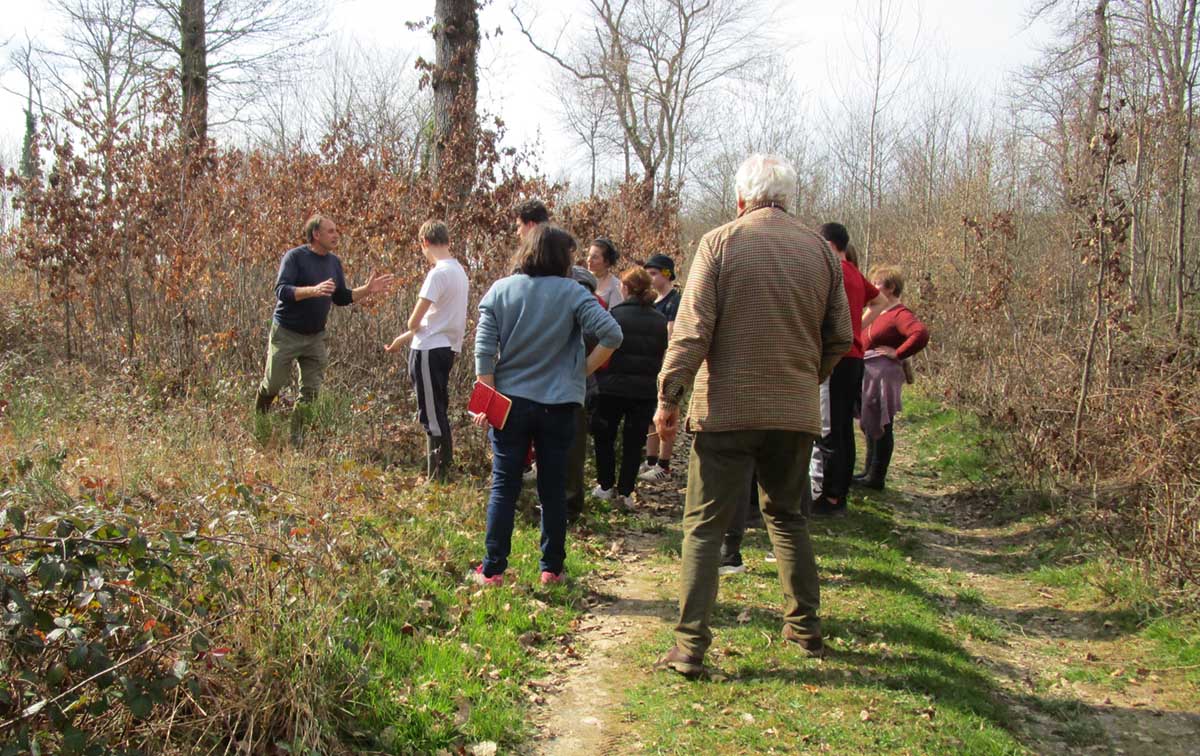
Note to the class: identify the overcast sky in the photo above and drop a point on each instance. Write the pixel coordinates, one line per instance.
(980, 43)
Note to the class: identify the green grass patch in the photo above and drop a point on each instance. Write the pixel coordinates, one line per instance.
(969, 596)
(979, 627)
(1078, 725)
(1176, 645)
(436, 662)
(952, 443)
(894, 680)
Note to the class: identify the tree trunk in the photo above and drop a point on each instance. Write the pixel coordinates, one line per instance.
(1181, 225)
(193, 72)
(592, 192)
(130, 330)
(1085, 380)
(1136, 231)
(455, 87)
(1096, 96)
(625, 149)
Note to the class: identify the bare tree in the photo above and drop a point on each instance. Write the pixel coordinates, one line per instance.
(30, 62)
(225, 46)
(104, 69)
(588, 114)
(655, 59)
(861, 131)
(762, 111)
(1171, 32)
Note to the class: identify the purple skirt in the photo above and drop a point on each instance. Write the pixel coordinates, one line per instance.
(883, 379)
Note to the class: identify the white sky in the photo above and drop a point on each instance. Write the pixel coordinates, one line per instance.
(979, 43)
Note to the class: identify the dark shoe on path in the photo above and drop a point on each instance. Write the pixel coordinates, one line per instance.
(675, 660)
(813, 645)
(823, 507)
(875, 477)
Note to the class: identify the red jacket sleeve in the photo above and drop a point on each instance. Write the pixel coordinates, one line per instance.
(915, 334)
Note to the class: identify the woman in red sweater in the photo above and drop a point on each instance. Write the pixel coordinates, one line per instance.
(891, 334)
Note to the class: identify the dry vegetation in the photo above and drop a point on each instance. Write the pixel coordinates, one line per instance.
(1051, 248)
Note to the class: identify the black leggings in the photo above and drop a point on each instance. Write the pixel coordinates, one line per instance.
(608, 413)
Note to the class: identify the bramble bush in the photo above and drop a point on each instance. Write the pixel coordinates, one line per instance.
(103, 622)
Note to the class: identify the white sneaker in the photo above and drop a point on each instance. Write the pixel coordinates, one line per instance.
(644, 467)
(769, 557)
(624, 503)
(655, 474)
(731, 569)
(603, 494)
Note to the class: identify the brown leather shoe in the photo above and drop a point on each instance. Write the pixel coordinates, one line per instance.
(813, 645)
(676, 660)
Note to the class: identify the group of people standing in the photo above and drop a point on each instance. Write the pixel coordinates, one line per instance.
(774, 318)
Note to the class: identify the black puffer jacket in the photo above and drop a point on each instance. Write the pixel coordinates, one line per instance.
(633, 370)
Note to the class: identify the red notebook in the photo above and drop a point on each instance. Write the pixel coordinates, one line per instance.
(489, 401)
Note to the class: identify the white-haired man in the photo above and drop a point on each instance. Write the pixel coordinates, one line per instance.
(762, 322)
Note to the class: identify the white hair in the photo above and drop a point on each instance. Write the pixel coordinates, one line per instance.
(765, 178)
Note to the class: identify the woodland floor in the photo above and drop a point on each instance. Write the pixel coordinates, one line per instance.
(962, 614)
(960, 618)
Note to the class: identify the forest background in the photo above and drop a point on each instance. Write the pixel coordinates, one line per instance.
(1050, 234)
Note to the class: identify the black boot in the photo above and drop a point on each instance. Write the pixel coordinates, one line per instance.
(877, 472)
(262, 402)
(857, 480)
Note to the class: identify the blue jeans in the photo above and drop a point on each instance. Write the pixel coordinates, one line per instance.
(551, 428)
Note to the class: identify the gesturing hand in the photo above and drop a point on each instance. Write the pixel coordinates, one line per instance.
(325, 288)
(379, 282)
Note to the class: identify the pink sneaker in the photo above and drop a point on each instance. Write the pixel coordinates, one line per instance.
(479, 578)
(552, 578)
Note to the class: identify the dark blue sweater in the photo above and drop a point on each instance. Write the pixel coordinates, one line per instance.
(303, 267)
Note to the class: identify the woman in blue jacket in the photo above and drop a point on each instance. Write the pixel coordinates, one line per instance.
(529, 346)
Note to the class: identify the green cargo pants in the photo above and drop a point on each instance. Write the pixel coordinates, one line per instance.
(285, 347)
(719, 472)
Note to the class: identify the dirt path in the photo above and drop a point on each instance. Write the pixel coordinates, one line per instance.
(1068, 669)
(582, 708)
(1073, 656)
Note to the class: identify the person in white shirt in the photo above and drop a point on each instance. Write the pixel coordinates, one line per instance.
(435, 329)
(601, 258)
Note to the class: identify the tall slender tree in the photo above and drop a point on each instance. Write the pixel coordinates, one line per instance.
(455, 82)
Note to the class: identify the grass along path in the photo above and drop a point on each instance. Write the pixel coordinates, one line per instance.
(959, 619)
(1071, 636)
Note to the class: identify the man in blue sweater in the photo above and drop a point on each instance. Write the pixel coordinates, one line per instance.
(310, 281)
